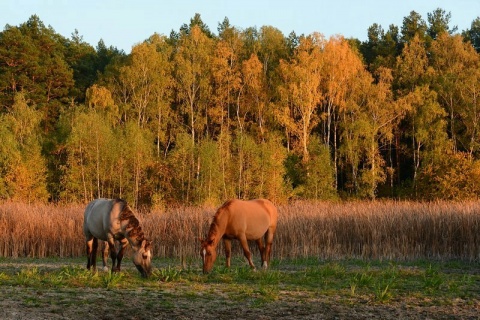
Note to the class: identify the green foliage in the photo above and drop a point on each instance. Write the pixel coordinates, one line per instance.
(432, 279)
(319, 182)
(84, 149)
(181, 160)
(197, 119)
(167, 274)
(209, 188)
(111, 279)
(449, 176)
(21, 161)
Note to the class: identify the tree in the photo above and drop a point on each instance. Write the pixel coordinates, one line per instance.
(252, 97)
(439, 22)
(273, 47)
(209, 187)
(370, 48)
(192, 61)
(226, 85)
(428, 131)
(300, 91)
(320, 180)
(147, 80)
(382, 47)
(343, 71)
(473, 34)
(181, 160)
(411, 66)
(412, 88)
(226, 77)
(81, 57)
(455, 66)
(366, 130)
(23, 166)
(450, 177)
(196, 21)
(272, 158)
(382, 116)
(106, 55)
(92, 156)
(32, 61)
(413, 25)
(137, 154)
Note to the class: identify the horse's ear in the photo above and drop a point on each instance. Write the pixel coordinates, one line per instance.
(148, 245)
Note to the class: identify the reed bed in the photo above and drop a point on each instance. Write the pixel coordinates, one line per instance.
(365, 230)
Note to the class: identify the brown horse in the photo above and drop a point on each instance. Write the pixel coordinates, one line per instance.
(242, 220)
(113, 220)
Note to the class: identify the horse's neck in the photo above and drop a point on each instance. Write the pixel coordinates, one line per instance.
(217, 230)
(134, 236)
(134, 242)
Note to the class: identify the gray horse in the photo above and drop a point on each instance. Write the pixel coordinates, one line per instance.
(112, 220)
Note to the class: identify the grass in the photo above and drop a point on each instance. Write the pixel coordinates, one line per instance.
(343, 283)
(379, 280)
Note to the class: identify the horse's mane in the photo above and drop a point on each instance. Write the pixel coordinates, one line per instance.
(133, 226)
(213, 231)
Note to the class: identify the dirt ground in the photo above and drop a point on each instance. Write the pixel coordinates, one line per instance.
(190, 300)
(27, 303)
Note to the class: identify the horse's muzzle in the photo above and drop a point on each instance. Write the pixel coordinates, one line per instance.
(143, 272)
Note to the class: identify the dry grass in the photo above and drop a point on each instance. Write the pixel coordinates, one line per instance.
(41, 230)
(368, 230)
(380, 230)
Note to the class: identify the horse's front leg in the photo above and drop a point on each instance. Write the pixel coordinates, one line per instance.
(246, 251)
(121, 251)
(113, 253)
(228, 250)
(105, 255)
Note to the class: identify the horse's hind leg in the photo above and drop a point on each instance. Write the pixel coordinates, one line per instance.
(89, 245)
(268, 246)
(261, 248)
(92, 246)
(228, 250)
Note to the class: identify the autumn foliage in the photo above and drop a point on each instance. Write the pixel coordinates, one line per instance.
(198, 117)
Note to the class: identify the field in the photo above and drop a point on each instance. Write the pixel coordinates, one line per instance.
(331, 261)
(293, 288)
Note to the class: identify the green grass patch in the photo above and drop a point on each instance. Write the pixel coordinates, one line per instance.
(437, 283)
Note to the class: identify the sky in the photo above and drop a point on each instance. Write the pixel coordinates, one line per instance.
(124, 23)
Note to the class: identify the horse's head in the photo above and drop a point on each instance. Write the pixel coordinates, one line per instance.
(209, 255)
(142, 258)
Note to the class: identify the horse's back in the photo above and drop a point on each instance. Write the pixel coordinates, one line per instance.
(271, 209)
(98, 217)
(254, 217)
